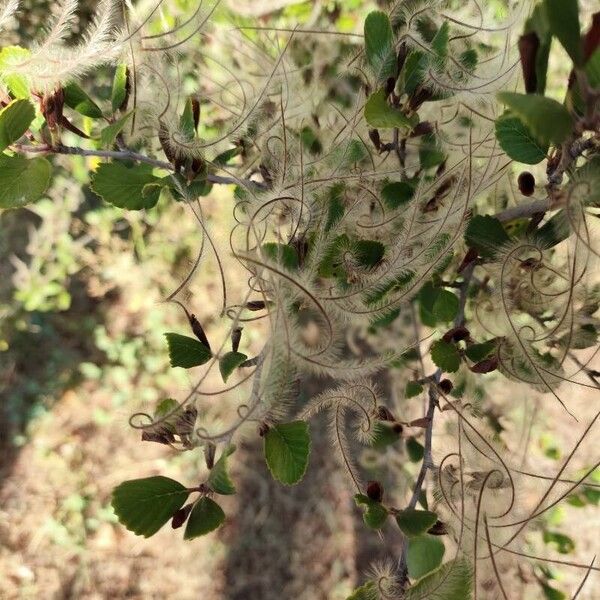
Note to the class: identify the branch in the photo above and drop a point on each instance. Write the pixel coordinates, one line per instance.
(129, 155)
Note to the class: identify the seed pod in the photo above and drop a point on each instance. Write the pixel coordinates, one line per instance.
(198, 331)
(165, 144)
(390, 84)
(196, 112)
(456, 334)
(180, 517)
(51, 106)
(485, 366)
(421, 422)
(402, 54)
(384, 414)
(422, 128)
(160, 437)
(236, 336)
(446, 386)
(470, 257)
(397, 428)
(255, 305)
(263, 429)
(375, 491)
(526, 183)
(375, 138)
(209, 454)
(438, 528)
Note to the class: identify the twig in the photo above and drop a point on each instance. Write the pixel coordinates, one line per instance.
(128, 155)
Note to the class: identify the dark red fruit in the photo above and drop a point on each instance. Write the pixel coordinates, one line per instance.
(526, 183)
(375, 491)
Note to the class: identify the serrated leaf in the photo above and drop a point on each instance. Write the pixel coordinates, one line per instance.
(445, 356)
(452, 581)
(368, 591)
(397, 193)
(445, 306)
(413, 389)
(486, 234)
(78, 100)
(229, 362)
(124, 186)
(379, 45)
(477, 352)
(15, 119)
(378, 113)
(218, 479)
(206, 516)
(517, 140)
(109, 134)
(563, 16)
(15, 82)
(548, 120)
(186, 352)
(22, 180)
(424, 554)
(415, 522)
(145, 505)
(375, 514)
(287, 448)
(119, 87)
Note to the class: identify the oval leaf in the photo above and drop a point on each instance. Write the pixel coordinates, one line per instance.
(15, 119)
(206, 516)
(119, 87)
(425, 553)
(414, 522)
(78, 100)
(379, 45)
(379, 113)
(445, 356)
(145, 505)
(518, 142)
(22, 180)
(229, 362)
(219, 480)
(287, 448)
(549, 121)
(452, 581)
(126, 187)
(186, 352)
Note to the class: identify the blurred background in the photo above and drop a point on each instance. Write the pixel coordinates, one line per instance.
(82, 319)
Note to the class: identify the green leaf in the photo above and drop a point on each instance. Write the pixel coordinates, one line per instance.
(445, 307)
(16, 83)
(368, 591)
(384, 435)
(379, 113)
(22, 180)
(379, 45)
(427, 297)
(446, 356)
(430, 152)
(375, 514)
(414, 71)
(287, 448)
(415, 450)
(218, 479)
(555, 230)
(186, 352)
(119, 87)
(425, 553)
(414, 522)
(413, 389)
(145, 505)
(439, 44)
(477, 352)
(109, 134)
(281, 253)
(229, 362)
(592, 69)
(452, 581)
(563, 16)
(126, 187)
(564, 544)
(517, 140)
(78, 100)
(486, 235)
(186, 121)
(551, 593)
(206, 516)
(15, 119)
(369, 253)
(224, 158)
(548, 120)
(397, 194)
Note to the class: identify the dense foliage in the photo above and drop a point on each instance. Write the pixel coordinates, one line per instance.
(379, 189)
